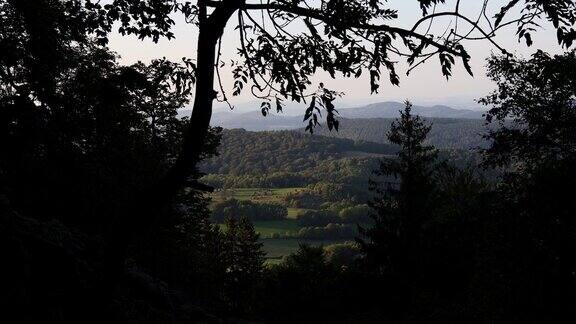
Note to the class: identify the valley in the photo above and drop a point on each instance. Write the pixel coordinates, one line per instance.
(299, 188)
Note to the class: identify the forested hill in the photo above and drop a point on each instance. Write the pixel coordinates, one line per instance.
(279, 159)
(446, 133)
(391, 109)
(290, 159)
(244, 152)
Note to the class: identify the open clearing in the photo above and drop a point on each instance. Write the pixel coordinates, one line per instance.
(282, 227)
(275, 248)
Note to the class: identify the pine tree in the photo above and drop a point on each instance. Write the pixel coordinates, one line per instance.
(246, 264)
(402, 191)
(250, 255)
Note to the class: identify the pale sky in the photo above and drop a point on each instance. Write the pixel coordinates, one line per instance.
(425, 85)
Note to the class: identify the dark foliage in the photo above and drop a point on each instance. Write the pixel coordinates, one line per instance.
(538, 93)
(331, 231)
(246, 267)
(401, 206)
(317, 218)
(244, 152)
(465, 251)
(447, 134)
(102, 218)
(80, 136)
(237, 209)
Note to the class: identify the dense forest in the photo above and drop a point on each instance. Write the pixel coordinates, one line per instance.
(289, 159)
(293, 158)
(107, 214)
(243, 152)
(447, 133)
(284, 159)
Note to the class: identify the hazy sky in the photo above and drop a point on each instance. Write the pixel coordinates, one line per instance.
(426, 85)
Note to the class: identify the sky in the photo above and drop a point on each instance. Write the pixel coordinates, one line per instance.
(424, 86)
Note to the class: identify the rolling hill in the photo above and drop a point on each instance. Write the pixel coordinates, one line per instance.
(446, 133)
(245, 152)
(390, 109)
(254, 121)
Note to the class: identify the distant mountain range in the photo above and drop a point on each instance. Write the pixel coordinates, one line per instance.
(392, 109)
(254, 121)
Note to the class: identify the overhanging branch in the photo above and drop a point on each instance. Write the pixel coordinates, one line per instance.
(318, 15)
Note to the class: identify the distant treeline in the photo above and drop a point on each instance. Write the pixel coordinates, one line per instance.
(288, 159)
(447, 133)
(242, 152)
(331, 231)
(359, 214)
(285, 159)
(237, 209)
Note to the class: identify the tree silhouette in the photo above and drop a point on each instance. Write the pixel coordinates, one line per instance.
(80, 135)
(534, 103)
(346, 37)
(246, 265)
(401, 195)
(92, 156)
(538, 96)
(338, 36)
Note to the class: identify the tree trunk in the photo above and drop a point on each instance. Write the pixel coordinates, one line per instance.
(145, 211)
(211, 29)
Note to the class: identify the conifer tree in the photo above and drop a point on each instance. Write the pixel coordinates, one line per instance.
(246, 264)
(402, 191)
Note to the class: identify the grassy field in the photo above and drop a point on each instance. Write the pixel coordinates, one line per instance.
(267, 228)
(283, 227)
(293, 213)
(275, 248)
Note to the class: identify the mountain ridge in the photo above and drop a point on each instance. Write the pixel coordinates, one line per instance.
(254, 121)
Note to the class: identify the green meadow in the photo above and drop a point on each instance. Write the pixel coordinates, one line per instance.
(275, 235)
(276, 249)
